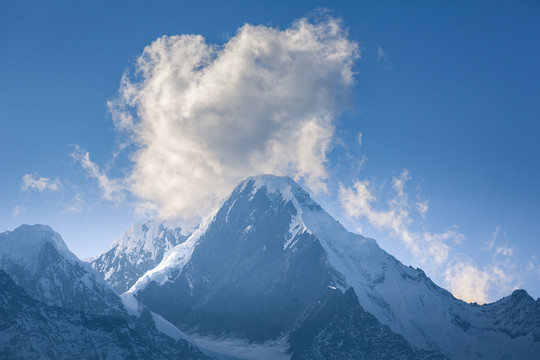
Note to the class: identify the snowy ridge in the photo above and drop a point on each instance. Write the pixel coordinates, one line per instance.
(22, 245)
(140, 237)
(174, 259)
(38, 260)
(138, 250)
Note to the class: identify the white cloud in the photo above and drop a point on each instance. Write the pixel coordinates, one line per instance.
(504, 250)
(494, 235)
(358, 202)
(76, 205)
(422, 207)
(381, 54)
(362, 163)
(18, 210)
(40, 183)
(469, 283)
(112, 188)
(359, 139)
(532, 263)
(204, 116)
(491, 245)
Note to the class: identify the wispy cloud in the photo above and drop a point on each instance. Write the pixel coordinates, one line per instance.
(471, 283)
(381, 54)
(382, 58)
(358, 202)
(18, 210)
(422, 205)
(467, 282)
(493, 239)
(76, 205)
(205, 116)
(112, 189)
(465, 279)
(31, 182)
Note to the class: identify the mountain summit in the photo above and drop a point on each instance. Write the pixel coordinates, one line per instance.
(260, 267)
(38, 260)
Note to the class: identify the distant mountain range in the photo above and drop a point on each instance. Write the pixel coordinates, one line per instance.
(268, 275)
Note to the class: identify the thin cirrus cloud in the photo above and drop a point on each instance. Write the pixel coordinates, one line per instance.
(18, 210)
(381, 54)
(76, 206)
(203, 116)
(31, 182)
(112, 189)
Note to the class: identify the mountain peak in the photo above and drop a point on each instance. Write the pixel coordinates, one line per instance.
(138, 250)
(23, 244)
(283, 185)
(520, 293)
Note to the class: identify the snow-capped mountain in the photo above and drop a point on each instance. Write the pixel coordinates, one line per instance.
(30, 329)
(39, 261)
(138, 250)
(259, 267)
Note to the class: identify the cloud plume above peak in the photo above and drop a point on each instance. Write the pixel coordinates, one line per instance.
(202, 116)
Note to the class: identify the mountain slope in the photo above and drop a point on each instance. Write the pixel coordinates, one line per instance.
(138, 250)
(30, 329)
(241, 278)
(257, 265)
(39, 261)
(336, 327)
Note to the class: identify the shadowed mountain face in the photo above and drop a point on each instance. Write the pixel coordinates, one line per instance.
(337, 327)
(30, 329)
(242, 278)
(262, 266)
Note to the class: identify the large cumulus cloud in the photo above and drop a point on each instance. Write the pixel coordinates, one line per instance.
(204, 116)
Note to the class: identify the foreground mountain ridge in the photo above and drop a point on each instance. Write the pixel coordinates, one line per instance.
(53, 305)
(254, 267)
(31, 329)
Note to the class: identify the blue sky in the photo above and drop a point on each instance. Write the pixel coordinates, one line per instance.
(444, 94)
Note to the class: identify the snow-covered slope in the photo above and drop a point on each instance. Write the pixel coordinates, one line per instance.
(39, 261)
(138, 250)
(30, 329)
(254, 268)
(337, 327)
